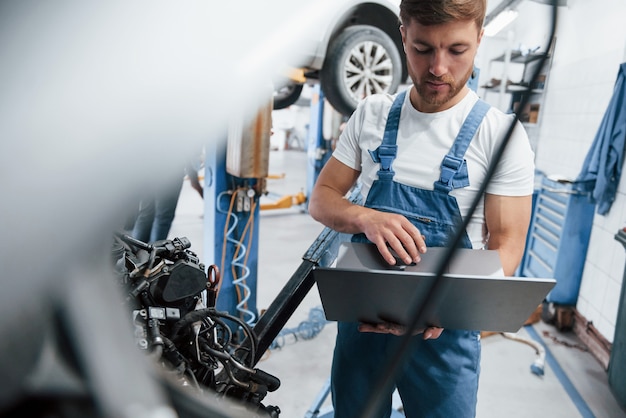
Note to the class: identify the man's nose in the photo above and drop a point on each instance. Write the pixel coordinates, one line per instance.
(438, 64)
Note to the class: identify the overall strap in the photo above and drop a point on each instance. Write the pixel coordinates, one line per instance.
(453, 166)
(386, 152)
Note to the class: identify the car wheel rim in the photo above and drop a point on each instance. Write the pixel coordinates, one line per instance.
(284, 91)
(368, 69)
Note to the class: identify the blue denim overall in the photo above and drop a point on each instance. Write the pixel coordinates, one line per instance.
(440, 377)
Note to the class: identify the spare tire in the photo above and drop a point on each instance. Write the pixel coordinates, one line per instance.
(360, 61)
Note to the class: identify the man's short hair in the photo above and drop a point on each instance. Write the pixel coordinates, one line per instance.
(434, 12)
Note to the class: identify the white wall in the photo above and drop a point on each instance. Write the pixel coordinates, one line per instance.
(590, 45)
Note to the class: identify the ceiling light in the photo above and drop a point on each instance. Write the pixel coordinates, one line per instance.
(500, 22)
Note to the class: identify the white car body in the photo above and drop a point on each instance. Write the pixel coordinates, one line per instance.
(319, 42)
(377, 22)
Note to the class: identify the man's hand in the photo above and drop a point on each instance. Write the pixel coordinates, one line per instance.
(396, 329)
(395, 232)
(388, 231)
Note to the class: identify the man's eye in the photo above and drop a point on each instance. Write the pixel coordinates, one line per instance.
(458, 51)
(422, 51)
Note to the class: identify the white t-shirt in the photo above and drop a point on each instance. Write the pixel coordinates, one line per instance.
(423, 141)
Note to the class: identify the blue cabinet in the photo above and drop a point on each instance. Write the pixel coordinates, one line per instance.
(558, 239)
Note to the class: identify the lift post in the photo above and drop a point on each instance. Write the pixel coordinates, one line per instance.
(235, 172)
(318, 147)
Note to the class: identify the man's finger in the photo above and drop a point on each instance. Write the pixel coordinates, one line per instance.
(384, 251)
(432, 333)
(419, 240)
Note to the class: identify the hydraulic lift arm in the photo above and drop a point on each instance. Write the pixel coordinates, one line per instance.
(322, 252)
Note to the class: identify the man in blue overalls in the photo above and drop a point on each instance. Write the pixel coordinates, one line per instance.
(420, 157)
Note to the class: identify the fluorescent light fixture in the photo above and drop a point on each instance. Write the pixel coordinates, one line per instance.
(552, 2)
(500, 22)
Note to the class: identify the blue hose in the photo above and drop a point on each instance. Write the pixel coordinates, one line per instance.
(306, 330)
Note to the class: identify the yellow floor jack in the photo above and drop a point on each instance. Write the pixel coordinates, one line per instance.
(285, 201)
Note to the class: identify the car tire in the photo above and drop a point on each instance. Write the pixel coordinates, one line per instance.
(287, 95)
(360, 61)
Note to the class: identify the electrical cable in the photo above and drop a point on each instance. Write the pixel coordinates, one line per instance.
(249, 231)
(250, 225)
(392, 366)
(241, 281)
(242, 289)
(538, 365)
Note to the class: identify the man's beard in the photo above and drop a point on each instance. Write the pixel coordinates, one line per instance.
(436, 98)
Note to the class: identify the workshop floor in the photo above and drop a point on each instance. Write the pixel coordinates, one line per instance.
(574, 383)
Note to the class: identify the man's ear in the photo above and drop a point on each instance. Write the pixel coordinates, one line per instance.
(403, 34)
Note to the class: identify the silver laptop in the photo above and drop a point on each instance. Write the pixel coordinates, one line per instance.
(472, 294)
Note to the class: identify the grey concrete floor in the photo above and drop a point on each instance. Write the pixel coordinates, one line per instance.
(507, 386)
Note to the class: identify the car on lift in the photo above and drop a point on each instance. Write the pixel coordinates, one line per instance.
(358, 53)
